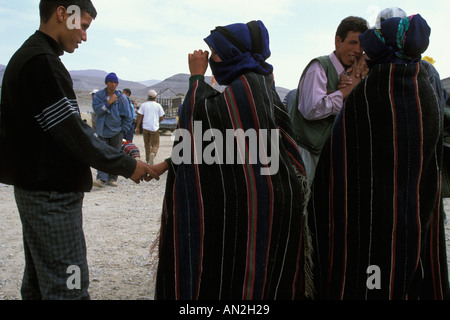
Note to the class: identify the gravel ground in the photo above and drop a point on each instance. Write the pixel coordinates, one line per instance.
(120, 225)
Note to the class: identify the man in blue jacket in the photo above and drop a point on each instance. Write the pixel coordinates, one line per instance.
(114, 119)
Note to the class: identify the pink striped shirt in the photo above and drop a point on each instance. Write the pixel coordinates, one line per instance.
(314, 101)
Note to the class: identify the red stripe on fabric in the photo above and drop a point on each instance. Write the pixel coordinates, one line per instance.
(253, 217)
(419, 112)
(237, 124)
(269, 183)
(199, 190)
(394, 229)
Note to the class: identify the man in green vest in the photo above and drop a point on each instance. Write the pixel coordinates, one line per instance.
(319, 95)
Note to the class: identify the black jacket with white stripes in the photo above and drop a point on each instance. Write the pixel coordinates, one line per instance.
(46, 144)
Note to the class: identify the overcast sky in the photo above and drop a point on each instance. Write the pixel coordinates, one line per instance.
(145, 39)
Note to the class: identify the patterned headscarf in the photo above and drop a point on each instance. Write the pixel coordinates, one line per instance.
(398, 40)
(242, 48)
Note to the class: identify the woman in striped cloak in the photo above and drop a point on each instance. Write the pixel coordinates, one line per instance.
(232, 221)
(374, 212)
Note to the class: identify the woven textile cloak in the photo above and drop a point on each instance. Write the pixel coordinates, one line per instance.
(228, 231)
(375, 209)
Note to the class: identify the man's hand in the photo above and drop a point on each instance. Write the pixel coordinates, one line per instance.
(345, 81)
(198, 62)
(360, 67)
(143, 172)
(354, 75)
(112, 99)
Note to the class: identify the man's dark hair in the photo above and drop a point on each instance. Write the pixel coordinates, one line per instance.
(355, 24)
(127, 91)
(48, 7)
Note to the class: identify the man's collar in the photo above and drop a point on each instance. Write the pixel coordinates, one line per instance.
(336, 63)
(54, 45)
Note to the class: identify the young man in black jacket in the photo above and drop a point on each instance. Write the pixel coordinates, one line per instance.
(39, 113)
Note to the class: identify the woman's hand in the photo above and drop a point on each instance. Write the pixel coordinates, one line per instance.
(198, 62)
(360, 67)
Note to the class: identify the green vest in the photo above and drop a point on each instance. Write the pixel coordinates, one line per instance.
(312, 135)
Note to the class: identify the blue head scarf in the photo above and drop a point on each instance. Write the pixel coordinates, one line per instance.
(397, 41)
(242, 48)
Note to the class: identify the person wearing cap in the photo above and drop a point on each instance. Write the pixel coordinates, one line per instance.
(375, 211)
(113, 121)
(93, 92)
(150, 115)
(233, 229)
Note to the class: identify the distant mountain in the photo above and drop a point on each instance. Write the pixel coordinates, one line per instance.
(88, 80)
(91, 73)
(175, 85)
(85, 81)
(179, 85)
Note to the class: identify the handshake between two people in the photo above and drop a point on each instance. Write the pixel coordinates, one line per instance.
(147, 172)
(353, 76)
(198, 63)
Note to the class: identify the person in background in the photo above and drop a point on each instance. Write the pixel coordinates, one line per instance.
(133, 105)
(131, 149)
(318, 99)
(92, 93)
(387, 13)
(150, 114)
(50, 182)
(375, 216)
(114, 119)
(93, 115)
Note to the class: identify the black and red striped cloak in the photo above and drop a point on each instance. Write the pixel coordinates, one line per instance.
(376, 195)
(228, 232)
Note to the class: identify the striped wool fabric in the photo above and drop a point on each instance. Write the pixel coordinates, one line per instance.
(229, 232)
(376, 196)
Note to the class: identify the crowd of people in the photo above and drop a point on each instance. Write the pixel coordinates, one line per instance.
(354, 209)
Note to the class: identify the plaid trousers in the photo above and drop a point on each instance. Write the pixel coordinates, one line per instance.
(54, 244)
